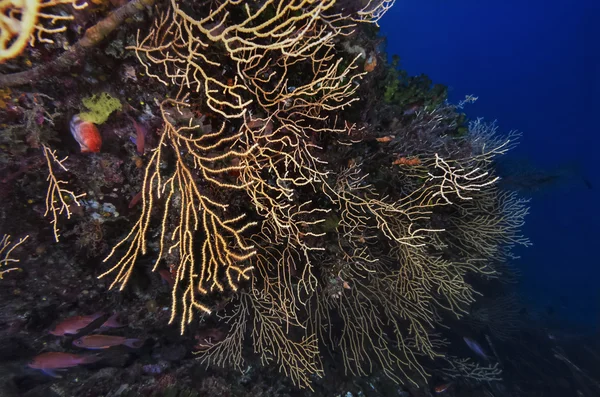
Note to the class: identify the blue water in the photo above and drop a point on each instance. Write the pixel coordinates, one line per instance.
(535, 66)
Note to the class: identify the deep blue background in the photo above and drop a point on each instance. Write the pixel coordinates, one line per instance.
(535, 66)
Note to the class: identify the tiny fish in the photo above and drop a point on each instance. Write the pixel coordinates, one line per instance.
(476, 347)
(136, 199)
(95, 342)
(234, 171)
(139, 196)
(140, 137)
(167, 277)
(73, 325)
(112, 322)
(385, 139)
(54, 361)
(370, 63)
(443, 387)
(86, 134)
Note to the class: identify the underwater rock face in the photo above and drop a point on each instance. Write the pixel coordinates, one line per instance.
(283, 211)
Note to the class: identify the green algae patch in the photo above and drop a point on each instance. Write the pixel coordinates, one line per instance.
(99, 107)
(330, 224)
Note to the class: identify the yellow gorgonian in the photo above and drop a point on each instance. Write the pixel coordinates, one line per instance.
(23, 22)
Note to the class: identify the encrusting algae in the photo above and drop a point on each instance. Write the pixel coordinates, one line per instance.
(99, 108)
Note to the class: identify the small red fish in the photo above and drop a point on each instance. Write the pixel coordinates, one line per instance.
(95, 342)
(73, 325)
(53, 361)
(136, 199)
(140, 137)
(86, 134)
(443, 387)
(167, 276)
(235, 162)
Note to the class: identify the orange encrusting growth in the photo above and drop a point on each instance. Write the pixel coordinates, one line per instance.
(406, 161)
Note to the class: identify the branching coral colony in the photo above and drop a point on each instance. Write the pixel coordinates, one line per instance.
(6, 249)
(58, 197)
(24, 22)
(307, 255)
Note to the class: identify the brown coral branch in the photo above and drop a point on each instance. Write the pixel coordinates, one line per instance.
(92, 37)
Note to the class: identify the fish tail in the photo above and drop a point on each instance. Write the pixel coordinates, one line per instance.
(51, 372)
(133, 343)
(113, 322)
(90, 359)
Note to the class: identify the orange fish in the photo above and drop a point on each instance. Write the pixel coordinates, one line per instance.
(53, 361)
(385, 139)
(370, 63)
(86, 134)
(443, 387)
(105, 341)
(73, 325)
